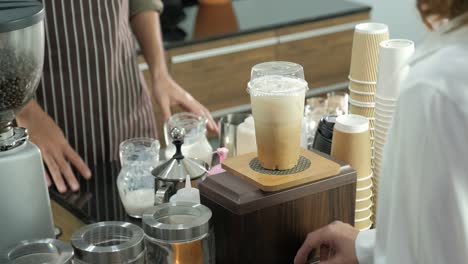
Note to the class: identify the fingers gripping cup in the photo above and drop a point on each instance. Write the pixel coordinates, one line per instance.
(278, 107)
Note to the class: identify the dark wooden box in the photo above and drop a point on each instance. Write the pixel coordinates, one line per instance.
(252, 226)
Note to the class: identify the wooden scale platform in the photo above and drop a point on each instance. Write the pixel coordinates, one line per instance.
(320, 168)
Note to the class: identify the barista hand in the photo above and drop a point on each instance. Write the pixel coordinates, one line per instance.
(55, 150)
(338, 237)
(169, 93)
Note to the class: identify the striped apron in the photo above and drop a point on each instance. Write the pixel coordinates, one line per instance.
(91, 83)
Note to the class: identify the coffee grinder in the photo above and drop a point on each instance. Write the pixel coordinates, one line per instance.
(24, 199)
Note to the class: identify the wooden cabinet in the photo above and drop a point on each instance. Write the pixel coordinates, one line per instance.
(216, 72)
(220, 81)
(322, 48)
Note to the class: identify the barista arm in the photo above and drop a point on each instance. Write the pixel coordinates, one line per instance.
(147, 29)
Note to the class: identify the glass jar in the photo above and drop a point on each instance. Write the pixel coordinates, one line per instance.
(109, 243)
(138, 157)
(39, 251)
(196, 144)
(179, 232)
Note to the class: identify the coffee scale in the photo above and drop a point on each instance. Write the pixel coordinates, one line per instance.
(24, 198)
(266, 202)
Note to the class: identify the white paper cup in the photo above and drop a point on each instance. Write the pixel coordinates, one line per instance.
(389, 109)
(386, 103)
(392, 67)
(381, 135)
(365, 178)
(383, 116)
(386, 100)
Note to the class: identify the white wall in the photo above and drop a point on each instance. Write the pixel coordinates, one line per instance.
(401, 16)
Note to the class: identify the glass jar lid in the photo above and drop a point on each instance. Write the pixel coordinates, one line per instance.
(16, 15)
(109, 242)
(177, 221)
(48, 251)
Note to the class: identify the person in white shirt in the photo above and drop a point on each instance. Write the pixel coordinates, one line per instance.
(423, 197)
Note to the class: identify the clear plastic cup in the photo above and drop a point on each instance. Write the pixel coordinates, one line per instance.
(278, 107)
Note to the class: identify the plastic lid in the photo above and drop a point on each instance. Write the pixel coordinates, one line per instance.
(282, 68)
(108, 242)
(39, 251)
(272, 85)
(371, 28)
(177, 221)
(19, 14)
(352, 124)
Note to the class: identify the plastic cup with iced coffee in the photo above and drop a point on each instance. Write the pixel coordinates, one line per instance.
(278, 109)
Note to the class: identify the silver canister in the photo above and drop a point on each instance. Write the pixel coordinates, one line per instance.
(39, 251)
(109, 242)
(179, 232)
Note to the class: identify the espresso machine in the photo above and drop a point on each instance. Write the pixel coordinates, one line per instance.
(24, 198)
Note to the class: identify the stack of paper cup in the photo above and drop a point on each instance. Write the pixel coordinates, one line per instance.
(351, 144)
(363, 70)
(393, 69)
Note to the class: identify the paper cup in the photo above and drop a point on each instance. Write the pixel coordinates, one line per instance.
(385, 109)
(362, 185)
(363, 111)
(386, 100)
(393, 66)
(371, 122)
(363, 195)
(379, 116)
(365, 178)
(363, 205)
(365, 50)
(362, 87)
(379, 145)
(378, 149)
(363, 214)
(351, 143)
(367, 98)
(380, 137)
(385, 104)
(363, 225)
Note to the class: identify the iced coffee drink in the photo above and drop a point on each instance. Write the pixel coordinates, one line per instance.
(278, 107)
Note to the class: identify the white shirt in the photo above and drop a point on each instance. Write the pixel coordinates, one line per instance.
(423, 198)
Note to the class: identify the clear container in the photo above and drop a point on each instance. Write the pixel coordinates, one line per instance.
(179, 232)
(196, 144)
(109, 243)
(21, 56)
(39, 251)
(138, 157)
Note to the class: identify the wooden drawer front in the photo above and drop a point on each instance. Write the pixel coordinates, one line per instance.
(220, 81)
(325, 59)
